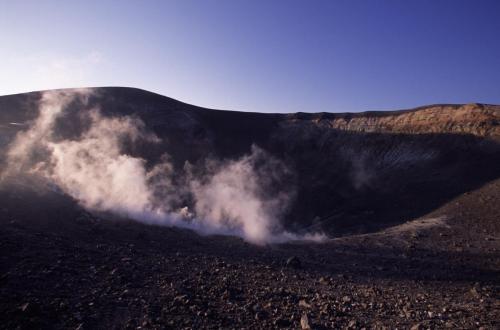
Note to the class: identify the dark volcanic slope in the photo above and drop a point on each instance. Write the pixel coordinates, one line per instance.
(353, 172)
(83, 272)
(418, 189)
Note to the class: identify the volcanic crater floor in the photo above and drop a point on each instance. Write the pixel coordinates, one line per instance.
(440, 271)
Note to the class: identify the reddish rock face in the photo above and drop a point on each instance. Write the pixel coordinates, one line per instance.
(477, 119)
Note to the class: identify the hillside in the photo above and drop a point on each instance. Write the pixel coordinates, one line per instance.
(352, 172)
(113, 202)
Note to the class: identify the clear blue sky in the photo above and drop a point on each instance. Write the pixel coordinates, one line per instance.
(259, 55)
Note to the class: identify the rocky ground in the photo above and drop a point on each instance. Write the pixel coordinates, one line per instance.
(441, 271)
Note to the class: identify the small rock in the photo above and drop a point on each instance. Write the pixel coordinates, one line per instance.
(304, 304)
(417, 326)
(474, 291)
(449, 325)
(304, 322)
(24, 307)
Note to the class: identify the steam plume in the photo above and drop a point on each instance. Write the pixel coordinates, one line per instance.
(229, 197)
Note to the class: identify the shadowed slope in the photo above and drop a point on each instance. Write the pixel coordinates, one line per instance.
(352, 173)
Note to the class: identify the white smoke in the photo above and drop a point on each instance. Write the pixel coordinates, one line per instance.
(93, 169)
(20, 155)
(228, 198)
(231, 198)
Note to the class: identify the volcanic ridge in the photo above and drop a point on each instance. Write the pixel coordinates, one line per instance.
(122, 208)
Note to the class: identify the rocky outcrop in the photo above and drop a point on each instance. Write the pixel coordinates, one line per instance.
(476, 119)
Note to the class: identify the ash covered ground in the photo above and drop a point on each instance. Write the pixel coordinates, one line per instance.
(85, 272)
(407, 203)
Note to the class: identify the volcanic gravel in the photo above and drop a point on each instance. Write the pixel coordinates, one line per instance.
(88, 273)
